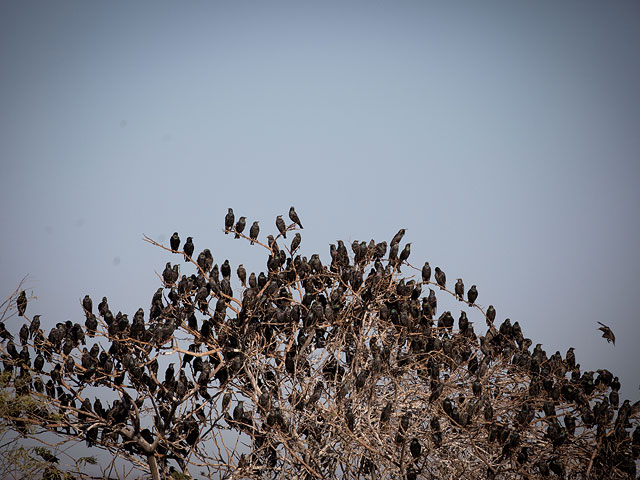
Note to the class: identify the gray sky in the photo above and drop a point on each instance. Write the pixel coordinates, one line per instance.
(505, 136)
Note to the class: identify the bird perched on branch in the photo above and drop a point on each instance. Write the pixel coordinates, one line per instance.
(254, 231)
(188, 249)
(472, 294)
(294, 217)
(441, 278)
(228, 221)
(282, 228)
(174, 241)
(459, 289)
(242, 222)
(607, 333)
(22, 303)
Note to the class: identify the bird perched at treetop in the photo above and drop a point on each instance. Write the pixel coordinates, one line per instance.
(228, 221)
(282, 228)
(472, 294)
(21, 303)
(174, 241)
(294, 217)
(254, 231)
(441, 278)
(242, 222)
(188, 249)
(607, 333)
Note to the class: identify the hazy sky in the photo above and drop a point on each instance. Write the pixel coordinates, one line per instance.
(505, 136)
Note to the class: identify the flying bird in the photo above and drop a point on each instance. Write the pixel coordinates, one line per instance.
(607, 333)
(294, 217)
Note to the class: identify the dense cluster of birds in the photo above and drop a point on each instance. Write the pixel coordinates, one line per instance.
(333, 370)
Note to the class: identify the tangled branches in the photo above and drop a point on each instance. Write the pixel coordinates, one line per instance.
(343, 370)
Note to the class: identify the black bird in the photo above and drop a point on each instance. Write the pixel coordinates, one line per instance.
(4, 333)
(415, 448)
(103, 306)
(21, 303)
(228, 221)
(188, 249)
(441, 278)
(242, 275)
(226, 400)
(254, 231)
(472, 294)
(38, 363)
(282, 228)
(398, 236)
(570, 359)
(426, 272)
(242, 222)
(294, 217)
(385, 415)
(238, 411)
(459, 289)
(225, 269)
(404, 254)
(607, 333)
(491, 313)
(24, 334)
(92, 324)
(295, 243)
(35, 325)
(87, 304)
(174, 241)
(169, 275)
(169, 373)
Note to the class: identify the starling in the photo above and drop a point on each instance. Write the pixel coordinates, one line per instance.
(242, 222)
(415, 448)
(398, 236)
(282, 228)
(441, 278)
(295, 243)
(472, 294)
(188, 249)
(21, 303)
(406, 251)
(228, 221)
(4, 333)
(385, 415)
(169, 373)
(87, 304)
(35, 325)
(491, 313)
(426, 272)
(607, 333)
(294, 217)
(225, 269)
(253, 281)
(238, 411)
(242, 275)
(24, 334)
(174, 241)
(570, 359)
(92, 324)
(459, 289)
(254, 231)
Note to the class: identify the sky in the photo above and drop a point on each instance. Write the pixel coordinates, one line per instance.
(504, 136)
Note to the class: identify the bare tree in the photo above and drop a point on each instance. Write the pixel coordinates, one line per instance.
(343, 370)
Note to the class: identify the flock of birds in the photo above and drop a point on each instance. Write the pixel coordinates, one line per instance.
(371, 327)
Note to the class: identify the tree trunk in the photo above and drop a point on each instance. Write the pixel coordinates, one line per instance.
(155, 474)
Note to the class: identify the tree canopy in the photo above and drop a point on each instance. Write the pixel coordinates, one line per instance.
(312, 370)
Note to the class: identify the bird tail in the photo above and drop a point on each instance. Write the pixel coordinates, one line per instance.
(237, 235)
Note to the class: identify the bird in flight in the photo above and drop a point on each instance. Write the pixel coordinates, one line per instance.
(607, 333)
